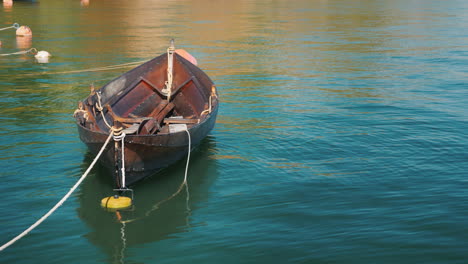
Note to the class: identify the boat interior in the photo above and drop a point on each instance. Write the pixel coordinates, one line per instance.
(144, 108)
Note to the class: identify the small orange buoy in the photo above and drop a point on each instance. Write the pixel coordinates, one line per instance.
(187, 56)
(7, 3)
(24, 31)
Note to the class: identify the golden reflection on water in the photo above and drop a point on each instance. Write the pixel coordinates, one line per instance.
(7, 5)
(271, 56)
(238, 37)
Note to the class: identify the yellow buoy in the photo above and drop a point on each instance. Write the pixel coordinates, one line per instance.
(116, 202)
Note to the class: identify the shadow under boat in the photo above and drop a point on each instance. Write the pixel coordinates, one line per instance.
(159, 212)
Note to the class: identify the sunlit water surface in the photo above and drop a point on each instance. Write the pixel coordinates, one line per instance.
(341, 137)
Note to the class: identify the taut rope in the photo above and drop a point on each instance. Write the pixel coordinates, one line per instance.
(31, 50)
(38, 222)
(15, 25)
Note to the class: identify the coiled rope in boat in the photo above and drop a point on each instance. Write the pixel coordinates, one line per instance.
(38, 222)
(103, 68)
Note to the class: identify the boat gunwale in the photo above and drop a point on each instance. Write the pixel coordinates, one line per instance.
(206, 119)
(146, 66)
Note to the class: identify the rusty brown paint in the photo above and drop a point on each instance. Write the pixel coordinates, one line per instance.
(136, 97)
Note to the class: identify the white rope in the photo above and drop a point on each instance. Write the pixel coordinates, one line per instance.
(15, 25)
(184, 183)
(170, 62)
(104, 68)
(123, 160)
(209, 108)
(188, 156)
(32, 50)
(185, 177)
(25, 232)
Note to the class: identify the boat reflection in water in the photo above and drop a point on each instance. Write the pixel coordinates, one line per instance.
(157, 213)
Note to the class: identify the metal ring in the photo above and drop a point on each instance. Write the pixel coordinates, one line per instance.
(16, 25)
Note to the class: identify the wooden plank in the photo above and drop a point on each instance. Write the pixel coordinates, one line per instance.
(181, 121)
(175, 91)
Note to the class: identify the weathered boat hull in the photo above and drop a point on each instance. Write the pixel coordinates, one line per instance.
(145, 155)
(137, 98)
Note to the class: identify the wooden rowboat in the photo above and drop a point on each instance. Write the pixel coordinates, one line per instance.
(152, 107)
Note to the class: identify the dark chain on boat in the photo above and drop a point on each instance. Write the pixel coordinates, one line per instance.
(121, 137)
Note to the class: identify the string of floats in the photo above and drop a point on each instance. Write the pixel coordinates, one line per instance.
(42, 56)
(26, 31)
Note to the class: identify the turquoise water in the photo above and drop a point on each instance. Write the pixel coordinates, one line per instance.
(341, 137)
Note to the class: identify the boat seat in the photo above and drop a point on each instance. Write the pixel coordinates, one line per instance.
(152, 125)
(180, 120)
(144, 125)
(127, 121)
(133, 129)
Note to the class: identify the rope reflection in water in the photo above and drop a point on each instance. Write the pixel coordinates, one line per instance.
(51, 211)
(124, 243)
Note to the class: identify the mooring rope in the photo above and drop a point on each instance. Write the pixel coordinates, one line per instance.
(188, 155)
(184, 183)
(103, 68)
(101, 109)
(31, 50)
(156, 206)
(15, 25)
(185, 178)
(38, 222)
